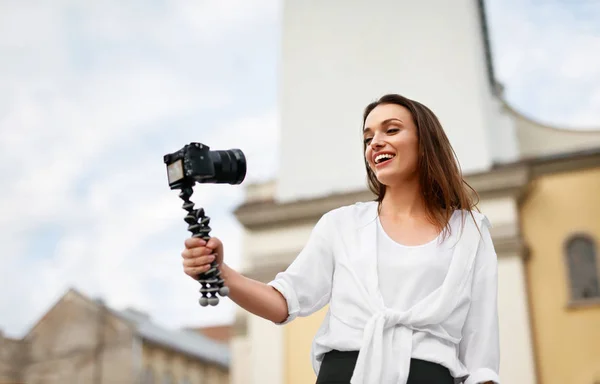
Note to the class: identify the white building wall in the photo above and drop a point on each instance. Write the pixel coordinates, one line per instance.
(241, 367)
(516, 349)
(339, 55)
(502, 132)
(267, 357)
(517, 364)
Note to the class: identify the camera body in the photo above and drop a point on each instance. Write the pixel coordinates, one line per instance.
(196, 163)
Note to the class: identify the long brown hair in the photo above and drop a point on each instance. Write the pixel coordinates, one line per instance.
(440, 177)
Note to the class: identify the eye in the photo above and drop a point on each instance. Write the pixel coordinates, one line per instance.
(367, 140)
(393, 130)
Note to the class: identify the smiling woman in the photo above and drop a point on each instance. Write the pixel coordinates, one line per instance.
(405, 145)
(410, 278)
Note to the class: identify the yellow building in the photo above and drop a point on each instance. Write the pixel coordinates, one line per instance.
(560, 219)
(80, 340)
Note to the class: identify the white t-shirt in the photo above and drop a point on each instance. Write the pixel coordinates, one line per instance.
(407, 274)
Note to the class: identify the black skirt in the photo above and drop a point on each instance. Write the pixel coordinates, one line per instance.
(337, 368)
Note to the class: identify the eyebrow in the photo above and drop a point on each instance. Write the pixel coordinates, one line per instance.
(384, 122)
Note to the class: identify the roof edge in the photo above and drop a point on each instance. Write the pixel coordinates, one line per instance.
(531, 120)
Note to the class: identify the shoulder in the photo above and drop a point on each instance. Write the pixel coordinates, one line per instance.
(345, 218)
(359, 213)
(470, 217)
(477, 231)
(472, 227)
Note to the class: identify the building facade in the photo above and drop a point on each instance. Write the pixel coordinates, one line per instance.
(338, 56)
(81, 341)
(561, 226)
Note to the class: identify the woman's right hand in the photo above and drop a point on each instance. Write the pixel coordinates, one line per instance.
(252, 295)
(198, 255)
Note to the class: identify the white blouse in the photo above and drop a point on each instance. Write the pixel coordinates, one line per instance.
(435, 302)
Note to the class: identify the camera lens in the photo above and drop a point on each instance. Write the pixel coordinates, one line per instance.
(230, 166)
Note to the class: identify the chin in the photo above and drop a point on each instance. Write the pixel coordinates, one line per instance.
(390, 179)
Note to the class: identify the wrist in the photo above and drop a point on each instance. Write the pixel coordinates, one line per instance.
(226, 272)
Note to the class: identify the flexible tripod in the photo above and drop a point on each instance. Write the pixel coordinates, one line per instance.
(198, 224)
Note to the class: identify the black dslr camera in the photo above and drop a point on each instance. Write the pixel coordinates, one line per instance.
(196, 163)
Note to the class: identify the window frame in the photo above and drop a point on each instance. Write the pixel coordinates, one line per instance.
(572, 301)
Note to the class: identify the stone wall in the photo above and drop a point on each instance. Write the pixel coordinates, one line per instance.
(79, 341)
(161, 363)
(12, 359)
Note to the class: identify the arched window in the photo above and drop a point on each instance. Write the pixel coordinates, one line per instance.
(582, 265)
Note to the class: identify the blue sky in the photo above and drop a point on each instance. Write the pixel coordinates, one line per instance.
(92, 95)
(544, 55)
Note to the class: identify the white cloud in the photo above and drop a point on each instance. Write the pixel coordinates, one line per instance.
(545, 54)
(214, 18)
(258, 137)
(93, 96)
(48, 145)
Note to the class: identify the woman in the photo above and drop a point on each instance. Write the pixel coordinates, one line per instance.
(410, 279)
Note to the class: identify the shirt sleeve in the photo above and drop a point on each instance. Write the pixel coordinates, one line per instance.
(306, 283)
(479, 348)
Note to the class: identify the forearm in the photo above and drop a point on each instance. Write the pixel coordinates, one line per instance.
(254, 296)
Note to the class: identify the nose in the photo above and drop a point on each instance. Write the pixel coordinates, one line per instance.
(376, 142)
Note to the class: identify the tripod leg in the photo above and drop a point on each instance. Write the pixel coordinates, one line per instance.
(198, 224)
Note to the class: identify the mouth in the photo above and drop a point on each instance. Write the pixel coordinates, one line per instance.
(383, 159)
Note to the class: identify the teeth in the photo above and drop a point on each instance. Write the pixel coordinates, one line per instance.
(383, 157)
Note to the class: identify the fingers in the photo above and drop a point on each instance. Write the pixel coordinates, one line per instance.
(214, 243)
(196, 266)
(198, 261)
(195, 271)
(195, 242)
(196, 252)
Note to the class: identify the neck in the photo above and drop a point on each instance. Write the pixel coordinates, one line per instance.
(405, 200)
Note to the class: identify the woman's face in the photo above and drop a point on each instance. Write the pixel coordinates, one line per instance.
(391, 144)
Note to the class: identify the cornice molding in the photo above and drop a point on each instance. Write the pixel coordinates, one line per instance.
(269, 213)
(254, 215)
(568, 162)
(273, 265)
(508, 241)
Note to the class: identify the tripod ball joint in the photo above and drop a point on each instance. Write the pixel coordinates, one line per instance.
(196, 163)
